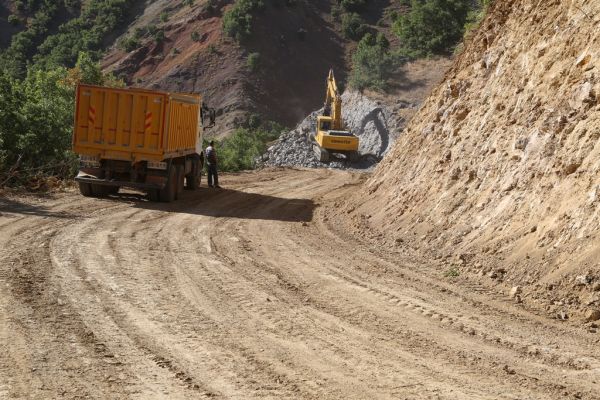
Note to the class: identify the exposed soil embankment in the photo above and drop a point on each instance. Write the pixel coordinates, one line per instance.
(498, 175)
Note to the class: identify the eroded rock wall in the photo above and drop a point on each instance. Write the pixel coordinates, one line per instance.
(500, 170)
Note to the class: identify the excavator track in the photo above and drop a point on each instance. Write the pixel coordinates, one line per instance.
(323, 155)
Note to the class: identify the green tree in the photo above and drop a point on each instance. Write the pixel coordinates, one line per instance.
(87, 32)
(353, 26)
(237, 21)
(432, 26)
(36, 115)
(476, 15)
(253, 61)
(36, 120)
(372, 63)
(240, 151)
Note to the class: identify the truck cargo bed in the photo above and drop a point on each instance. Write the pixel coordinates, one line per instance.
(135, 124)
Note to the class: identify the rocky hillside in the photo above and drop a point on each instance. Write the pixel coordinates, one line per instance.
(277, 69)
(498, 175)
(295, 44)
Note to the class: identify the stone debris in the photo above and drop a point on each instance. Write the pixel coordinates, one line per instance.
(515, 291)
(375, 125)
(592, 315)
(582, 280)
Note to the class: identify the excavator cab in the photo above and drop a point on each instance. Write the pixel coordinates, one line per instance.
(331, 137)
(324, 124)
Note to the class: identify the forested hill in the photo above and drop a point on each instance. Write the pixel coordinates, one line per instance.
(260, 63)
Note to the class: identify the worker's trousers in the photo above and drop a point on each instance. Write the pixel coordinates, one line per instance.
(213, 175)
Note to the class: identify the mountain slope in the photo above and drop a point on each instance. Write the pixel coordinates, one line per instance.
(499, 173)
(287, 82)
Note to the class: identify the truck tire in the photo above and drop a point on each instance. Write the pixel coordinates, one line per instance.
(180, 180)
(99, 190)
(86, 189)
(169, 192)
(154, 195)
(192, 180)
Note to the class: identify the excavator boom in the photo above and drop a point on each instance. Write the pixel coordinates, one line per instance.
(333, 102)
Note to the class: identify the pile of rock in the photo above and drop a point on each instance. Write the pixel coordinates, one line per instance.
(375, 125)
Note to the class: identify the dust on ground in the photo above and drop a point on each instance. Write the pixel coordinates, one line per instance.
(257, 291)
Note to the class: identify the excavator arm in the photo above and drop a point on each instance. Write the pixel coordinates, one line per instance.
(333, 102)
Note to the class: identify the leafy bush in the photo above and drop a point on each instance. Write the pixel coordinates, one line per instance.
(91, 24)
(14, 20)
(432, 26)
(253, 61)
(240, 151)
(476, 15)
(372, 63)
(129, 44)
(212, 49)
(336, 12)
(164, 16)
(159, 36)
(353, 27)
(195, 36)
(237, 21)
(452, 273)
(36, 118)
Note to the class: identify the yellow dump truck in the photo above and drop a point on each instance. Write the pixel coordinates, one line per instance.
(140, 139)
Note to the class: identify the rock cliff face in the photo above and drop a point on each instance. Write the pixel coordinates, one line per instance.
(500, 169)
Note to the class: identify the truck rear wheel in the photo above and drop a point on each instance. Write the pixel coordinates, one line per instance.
(180, 180)
(154, 194)
(169, 192)
(192, 180)
(86, 189)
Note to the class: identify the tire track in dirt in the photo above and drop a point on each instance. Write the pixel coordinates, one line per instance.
(257, 292)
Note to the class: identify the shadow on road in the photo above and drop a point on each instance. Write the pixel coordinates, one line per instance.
(228, 203)
(11, 206)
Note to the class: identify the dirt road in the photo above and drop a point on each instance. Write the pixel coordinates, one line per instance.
(256, 292)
